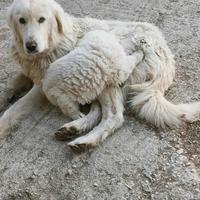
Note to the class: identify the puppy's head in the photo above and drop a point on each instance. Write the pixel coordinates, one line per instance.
(37, 25)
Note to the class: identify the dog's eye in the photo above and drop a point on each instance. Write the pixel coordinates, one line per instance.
(41, 20)
(22, 21)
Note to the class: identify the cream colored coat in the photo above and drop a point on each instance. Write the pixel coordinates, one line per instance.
(67, 79)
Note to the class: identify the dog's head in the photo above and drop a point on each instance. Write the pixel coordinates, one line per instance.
(37, 25)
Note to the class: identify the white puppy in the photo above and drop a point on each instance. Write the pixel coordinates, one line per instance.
(93, 70)
(97, 62)
(43, 33)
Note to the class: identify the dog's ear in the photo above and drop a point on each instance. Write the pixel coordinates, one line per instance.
(63, 20)
(10, 17)
(60, 22)
(13, 25)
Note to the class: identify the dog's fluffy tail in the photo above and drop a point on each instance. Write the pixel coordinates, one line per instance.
(152, 78)
(152, 106)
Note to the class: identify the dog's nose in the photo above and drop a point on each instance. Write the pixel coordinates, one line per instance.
(31, 46)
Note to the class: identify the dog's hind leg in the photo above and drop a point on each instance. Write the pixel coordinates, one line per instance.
(73, 129)
(111, 101)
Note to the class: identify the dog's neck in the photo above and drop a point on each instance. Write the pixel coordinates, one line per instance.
(35, 67)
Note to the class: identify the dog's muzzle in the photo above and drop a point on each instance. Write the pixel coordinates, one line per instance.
(31, 47)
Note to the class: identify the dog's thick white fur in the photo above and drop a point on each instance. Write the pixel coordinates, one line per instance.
(48, 42)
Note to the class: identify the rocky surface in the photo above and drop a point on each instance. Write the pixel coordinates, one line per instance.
(138, 162)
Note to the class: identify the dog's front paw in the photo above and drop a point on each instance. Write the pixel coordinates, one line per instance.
(5, 99)
(4, 129)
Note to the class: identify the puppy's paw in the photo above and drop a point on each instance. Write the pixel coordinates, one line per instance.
(66, 133)
(81, 144)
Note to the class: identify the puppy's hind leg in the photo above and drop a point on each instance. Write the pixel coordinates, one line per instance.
(69, 107)
(73, 129)
(111, 101)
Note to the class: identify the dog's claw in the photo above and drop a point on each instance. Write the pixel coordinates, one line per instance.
(75, 148)
(79, 148)
(65, 134)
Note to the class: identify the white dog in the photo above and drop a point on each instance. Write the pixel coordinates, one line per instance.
(55, 51)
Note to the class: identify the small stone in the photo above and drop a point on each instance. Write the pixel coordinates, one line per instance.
(95, 185)
(69, 172)
(74, 166)
(195, 156)
(180, 151)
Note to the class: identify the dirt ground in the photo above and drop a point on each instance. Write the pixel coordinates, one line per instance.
(138, 162)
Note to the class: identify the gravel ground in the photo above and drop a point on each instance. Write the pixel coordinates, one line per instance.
(138, 162)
